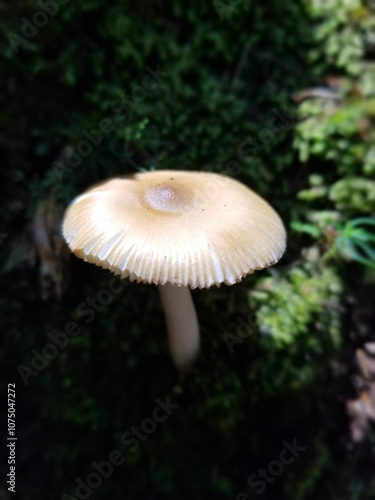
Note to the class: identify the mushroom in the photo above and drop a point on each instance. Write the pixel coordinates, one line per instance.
(178, 230)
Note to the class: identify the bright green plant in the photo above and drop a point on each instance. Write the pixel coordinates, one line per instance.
(356, 241)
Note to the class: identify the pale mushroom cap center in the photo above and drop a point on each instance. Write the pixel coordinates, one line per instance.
(166, 198)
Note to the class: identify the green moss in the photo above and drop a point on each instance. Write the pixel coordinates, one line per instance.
(227, 69)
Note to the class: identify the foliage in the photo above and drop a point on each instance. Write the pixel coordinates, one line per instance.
(289, 304)
(354, 241)
(227, 66)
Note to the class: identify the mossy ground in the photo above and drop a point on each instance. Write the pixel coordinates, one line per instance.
(228, 70)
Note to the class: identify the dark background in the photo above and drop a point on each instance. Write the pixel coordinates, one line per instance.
(305, 370)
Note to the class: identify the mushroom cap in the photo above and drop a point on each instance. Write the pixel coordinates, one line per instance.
(194, 229)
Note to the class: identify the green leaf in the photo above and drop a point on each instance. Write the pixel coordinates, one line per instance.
(305, 227)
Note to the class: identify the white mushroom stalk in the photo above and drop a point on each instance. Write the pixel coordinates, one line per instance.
(182, 323)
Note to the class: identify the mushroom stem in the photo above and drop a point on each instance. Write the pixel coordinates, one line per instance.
(182, 323)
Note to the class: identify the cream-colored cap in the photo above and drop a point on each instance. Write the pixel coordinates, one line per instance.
(194, 229)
